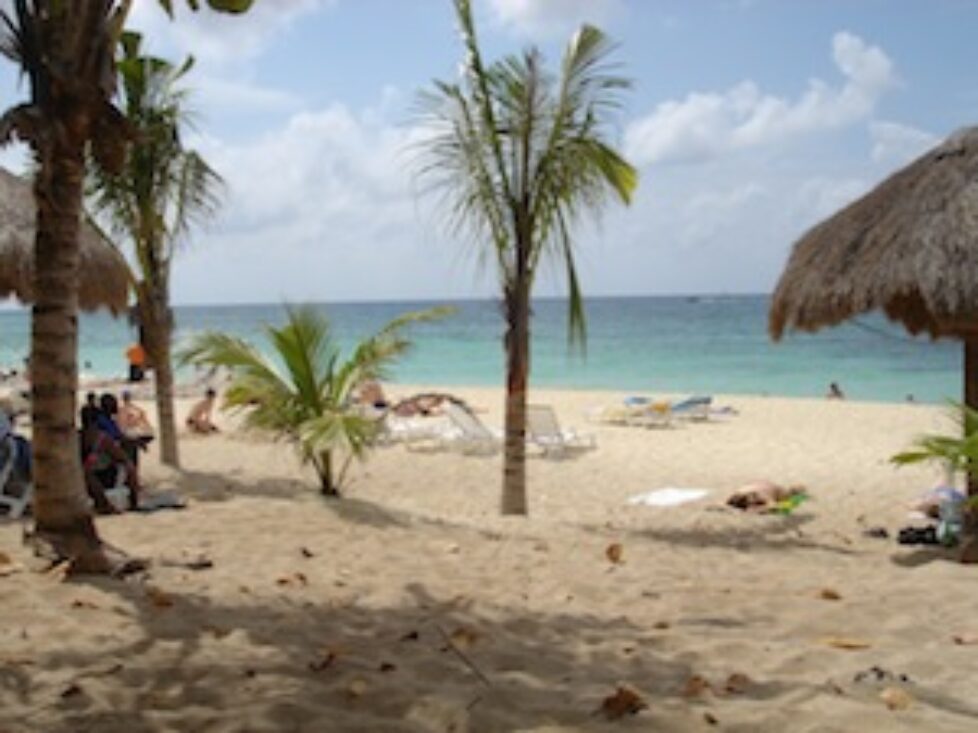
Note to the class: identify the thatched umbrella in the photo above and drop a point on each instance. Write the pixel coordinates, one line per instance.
(909, 248)
(103, 273)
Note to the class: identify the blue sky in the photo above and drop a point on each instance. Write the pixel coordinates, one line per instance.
(749, 121)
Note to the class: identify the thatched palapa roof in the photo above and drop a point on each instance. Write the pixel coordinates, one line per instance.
(103, 274)
(909, 247)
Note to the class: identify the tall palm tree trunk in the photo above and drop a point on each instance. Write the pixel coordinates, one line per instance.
(517, 378)
(61, 508)
(158, 331)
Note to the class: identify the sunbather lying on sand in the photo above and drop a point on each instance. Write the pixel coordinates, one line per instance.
(763, 496)
(425, 404)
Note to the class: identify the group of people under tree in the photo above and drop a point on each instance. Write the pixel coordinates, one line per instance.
(111, 437)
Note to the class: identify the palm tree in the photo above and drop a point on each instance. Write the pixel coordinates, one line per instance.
(65, 48)
(305, 394)
(161, 191)
(519, 158)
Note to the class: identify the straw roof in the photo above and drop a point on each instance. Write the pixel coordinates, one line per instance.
(104, 278)
(909, 247)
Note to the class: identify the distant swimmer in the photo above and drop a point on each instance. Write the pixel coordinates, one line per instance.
(835, 392)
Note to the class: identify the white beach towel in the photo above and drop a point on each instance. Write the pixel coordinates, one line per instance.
(668, 497)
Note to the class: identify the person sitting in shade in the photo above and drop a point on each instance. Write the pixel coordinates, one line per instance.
(102, 457)
(835, 392)
(200, 418)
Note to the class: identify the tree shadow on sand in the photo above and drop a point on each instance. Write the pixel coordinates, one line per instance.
(285, 663)
(780, 534)
(223, 486)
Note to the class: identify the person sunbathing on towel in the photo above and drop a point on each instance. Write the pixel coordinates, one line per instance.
(763, 496)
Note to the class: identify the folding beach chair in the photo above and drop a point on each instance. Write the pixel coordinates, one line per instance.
(468, 434)
(544, 431)
(696, 407)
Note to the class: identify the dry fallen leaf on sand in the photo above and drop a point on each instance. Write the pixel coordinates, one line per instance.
(737, 684)
(324, 661)
(294, 579)
(896, 698)
(464, 637)
(696, 686)
(71, 690)
(829, 594)
(159, 598)
(357, 687)
(839, 642)
(614, 552)
(624, 701)
(59, 571)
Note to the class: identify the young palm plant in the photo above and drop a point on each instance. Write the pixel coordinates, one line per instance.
(162, 191)
(520, 157)
(957, 453)
(304, 393)
(65, 49)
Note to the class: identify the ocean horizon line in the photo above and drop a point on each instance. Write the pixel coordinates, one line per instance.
(11, 306)
(475, 299)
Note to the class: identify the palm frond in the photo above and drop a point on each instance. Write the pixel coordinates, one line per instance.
(519, 157)
(304, 395)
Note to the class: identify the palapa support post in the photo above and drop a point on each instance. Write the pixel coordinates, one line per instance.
(971, 392)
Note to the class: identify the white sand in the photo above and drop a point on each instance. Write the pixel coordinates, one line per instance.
(416, 552)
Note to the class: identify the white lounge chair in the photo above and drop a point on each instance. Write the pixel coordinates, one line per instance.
(696, 407)
(468, 433)
(544, 431)
(395, 429)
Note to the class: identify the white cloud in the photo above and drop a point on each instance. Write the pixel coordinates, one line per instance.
(226, 93)
(896, 144)
(708, 124)
(545, 18)
(216, 37)
(320, 208)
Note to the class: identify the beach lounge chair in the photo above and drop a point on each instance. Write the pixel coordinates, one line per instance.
(644, 414)
(13, 505)
(468, 433)
(544, 431)
(696, 407)
(396, 429)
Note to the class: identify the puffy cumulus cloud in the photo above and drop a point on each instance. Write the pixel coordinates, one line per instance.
(545, 18)
(708, 124)
(896, 144)
(322, 208)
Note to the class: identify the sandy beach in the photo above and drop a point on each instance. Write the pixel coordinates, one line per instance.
(410, 605)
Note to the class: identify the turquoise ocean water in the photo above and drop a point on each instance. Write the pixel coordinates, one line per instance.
(642, 345)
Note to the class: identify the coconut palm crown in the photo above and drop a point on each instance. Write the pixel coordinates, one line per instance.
(151, 204)
(519, 157)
